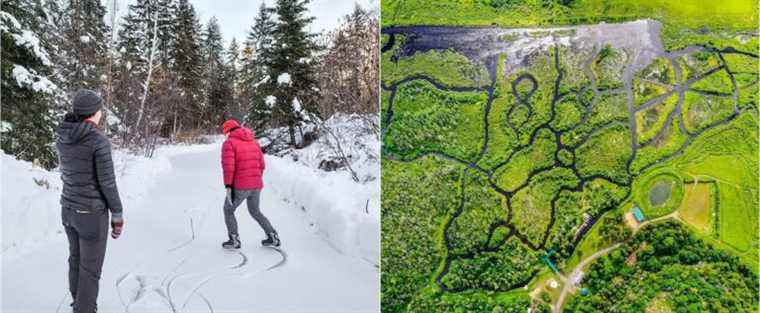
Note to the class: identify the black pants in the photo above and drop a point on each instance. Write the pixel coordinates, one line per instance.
(87, 234)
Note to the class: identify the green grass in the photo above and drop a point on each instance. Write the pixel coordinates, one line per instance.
(432, 300)
(501, 138)
(426, 119)
(727, 156)
(430, 120)
(697, 64)
(643, 185)
(482, 207)
(384, 98)
(541, 66)
(701, 111)
(417, 198)
(693, 13)
(609, 108)
(607, 67)
(738, 211)
(684, 21)
(515, 173)
(718, 82)
(653, 81)
(696, 208)
(605, 153)
(649, 122)
(447, 67)
(658, 149)
(745, 71)
(723, 155)
(571, 113)
(499, 270)
(531, 206)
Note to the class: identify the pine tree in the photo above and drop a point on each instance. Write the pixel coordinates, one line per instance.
(144, 83)
(51, 37)
(233, 73)
(82, 47)
(142, 15)
(27, 122)
(256, 69)
(292, 56)
(188, 67)
(130, 68)
(166, 12)
(216, 92)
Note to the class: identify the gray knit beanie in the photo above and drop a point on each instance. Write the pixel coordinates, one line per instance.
(86, 102)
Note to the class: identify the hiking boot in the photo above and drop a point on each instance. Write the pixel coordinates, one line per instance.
(233, 243)
(272, 240)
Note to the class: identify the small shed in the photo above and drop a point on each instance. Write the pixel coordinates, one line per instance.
(637, 214)
(584, 292)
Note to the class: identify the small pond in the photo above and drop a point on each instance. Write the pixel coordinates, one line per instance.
(660, 193)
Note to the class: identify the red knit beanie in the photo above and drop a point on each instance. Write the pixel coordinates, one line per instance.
(229, 125)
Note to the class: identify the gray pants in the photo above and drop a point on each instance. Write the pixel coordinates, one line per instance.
(87, 234)
(252, 200)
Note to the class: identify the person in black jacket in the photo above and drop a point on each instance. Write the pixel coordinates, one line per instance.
(89, 192)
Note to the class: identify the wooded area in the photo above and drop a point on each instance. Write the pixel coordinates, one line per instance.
(168, 77)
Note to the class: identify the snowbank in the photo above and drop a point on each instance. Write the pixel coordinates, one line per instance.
(360, 145)
(345, 213)
(29, 201)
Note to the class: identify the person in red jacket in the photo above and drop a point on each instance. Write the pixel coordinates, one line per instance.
(243, 166)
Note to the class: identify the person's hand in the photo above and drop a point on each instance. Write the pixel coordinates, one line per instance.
(229, 196)
(117, 224)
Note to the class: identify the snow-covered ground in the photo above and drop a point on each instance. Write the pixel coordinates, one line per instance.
(345, 213)
(169, 258)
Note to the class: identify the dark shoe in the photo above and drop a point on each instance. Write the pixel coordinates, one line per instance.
(233, 243)
(272, 240)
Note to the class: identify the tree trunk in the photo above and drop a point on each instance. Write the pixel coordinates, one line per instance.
(150, 71)
(292, 133)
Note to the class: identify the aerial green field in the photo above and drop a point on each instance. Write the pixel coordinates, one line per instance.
(513, 158)
(719, 24)
(698, 206)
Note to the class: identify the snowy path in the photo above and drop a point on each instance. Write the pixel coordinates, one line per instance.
(170, 259)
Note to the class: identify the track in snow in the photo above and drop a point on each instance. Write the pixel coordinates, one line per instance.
(169, 258)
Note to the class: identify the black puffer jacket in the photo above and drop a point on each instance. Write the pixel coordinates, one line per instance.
(89, 182)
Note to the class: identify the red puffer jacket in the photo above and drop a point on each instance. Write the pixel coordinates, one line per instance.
(242, 160)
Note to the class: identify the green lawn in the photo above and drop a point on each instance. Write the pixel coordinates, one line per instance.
(697, 206)
(728, 156)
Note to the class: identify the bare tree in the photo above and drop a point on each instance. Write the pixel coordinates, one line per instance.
(109, 69)
(146, 86)
(349, 73)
